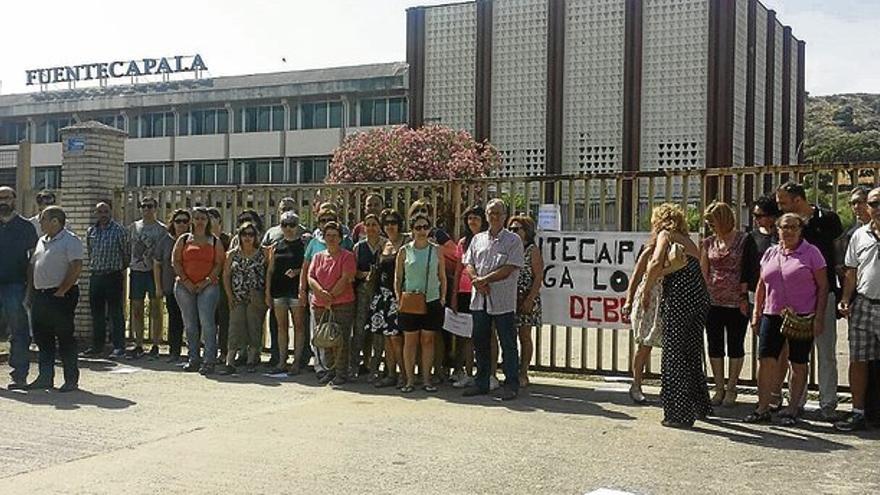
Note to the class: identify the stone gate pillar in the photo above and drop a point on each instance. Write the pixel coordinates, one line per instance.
(92, 166)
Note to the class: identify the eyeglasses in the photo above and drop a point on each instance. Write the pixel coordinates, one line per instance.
(874, 204)
(181, 221)
(514, 229)
(248, 234)
(326, 219)
(148, 206)
(289, 225)
(421, 227)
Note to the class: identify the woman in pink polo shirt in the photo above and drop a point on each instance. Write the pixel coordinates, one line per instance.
(792, 276)
(331, 274)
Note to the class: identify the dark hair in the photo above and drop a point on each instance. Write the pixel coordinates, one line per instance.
(527, 224)
(331, 225)
(418, 204)
(249, 226)
(372, 216)
(860, 190)
(108, 202)
(253, 216)
(55, 212)
(174, 214)
(479, 211)
(792, 188)
(390, 215)
(204, 211)
(149, 199)
(329, 212)
(413, 220)
(214, 212)
(768, 205)
(45, 194)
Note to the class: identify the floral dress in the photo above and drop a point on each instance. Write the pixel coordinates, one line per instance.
(383, 308)
(248, 276)
(523, 286)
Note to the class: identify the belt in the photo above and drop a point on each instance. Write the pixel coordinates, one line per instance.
(53, 290)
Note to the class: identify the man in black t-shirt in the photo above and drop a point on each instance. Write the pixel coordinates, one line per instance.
(17, 241)
(822, 229)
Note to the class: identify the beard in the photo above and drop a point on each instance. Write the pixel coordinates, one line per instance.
(5, 209)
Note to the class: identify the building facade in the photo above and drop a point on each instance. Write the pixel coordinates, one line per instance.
(253, 129)
(583, 86)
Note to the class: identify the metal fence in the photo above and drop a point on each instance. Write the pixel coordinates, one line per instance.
(597, 202)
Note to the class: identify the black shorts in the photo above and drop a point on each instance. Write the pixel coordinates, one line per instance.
(771, 341)
(432, 321)
(464, 302)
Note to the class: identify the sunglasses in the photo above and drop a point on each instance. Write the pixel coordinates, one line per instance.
(181, 221)
(421, 227)
(248, 234)
(290, 225)
(874, 204)
(514, 229)
(148, 206)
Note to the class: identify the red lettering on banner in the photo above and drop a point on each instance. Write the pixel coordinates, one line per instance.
(576, 307)
(590, 309)
(590, 301)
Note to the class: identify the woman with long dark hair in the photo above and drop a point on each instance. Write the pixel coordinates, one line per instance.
(163, 271)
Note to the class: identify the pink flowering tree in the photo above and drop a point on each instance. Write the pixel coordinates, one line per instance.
(402, 154)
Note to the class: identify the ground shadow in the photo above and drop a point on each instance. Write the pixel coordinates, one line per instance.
(772, 436)
(69, 400)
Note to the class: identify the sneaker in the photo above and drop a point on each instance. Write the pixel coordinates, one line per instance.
(154, 352)
(853, 422)
(829, 413)
(464, 382)
(191, 367)
(68, 387)
(40, 384)
(493, 383)
(116, 354)
(135, 353)
(91, 352)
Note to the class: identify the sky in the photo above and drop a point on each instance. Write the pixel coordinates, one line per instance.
(245, 37)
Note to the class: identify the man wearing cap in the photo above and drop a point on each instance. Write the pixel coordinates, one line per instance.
(55, 270)
(17, 241)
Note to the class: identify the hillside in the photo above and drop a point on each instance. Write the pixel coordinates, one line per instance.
(842, 128)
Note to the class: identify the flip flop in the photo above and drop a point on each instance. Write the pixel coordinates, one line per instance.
(429, 388)
(406, 389)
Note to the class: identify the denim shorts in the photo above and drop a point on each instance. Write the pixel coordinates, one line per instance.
(140, 284)
(285, 302)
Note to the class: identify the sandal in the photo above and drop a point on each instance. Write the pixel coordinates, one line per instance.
(406, 389)
(787, 420)
(429, 388)
(758, 417)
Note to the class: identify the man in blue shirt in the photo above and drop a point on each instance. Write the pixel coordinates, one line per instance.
(17, 241)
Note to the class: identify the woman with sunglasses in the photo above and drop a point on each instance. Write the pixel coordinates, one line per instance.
(198, 258)
(330, 276)
(163, 272)
(793, 278)
(383, 309)
(244, 278)
(528, 292)
(282, 289)
(420, 269)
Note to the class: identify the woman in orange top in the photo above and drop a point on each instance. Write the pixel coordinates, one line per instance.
(198, 258)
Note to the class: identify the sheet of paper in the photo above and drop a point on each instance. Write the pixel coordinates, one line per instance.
(460, 324)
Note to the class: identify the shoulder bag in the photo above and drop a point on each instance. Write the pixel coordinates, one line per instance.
(328, 333)
(794, 326)
(415, 303)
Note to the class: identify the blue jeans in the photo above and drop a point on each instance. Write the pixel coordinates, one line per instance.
(198, 312)
(505, 326)
(12, 304)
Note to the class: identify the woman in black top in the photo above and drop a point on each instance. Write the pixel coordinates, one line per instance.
(366, 281)
(282, 290)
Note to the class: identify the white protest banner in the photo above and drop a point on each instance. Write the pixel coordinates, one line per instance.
(549, 217)
(586, 275)
(461, 324)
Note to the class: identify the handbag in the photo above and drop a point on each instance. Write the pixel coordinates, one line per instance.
(328, 333)
(795, 326)
(675, 257)
(415, 303)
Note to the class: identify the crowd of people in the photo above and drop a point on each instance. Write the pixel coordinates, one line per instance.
(367, 302)
(789, 279)
(370, 302)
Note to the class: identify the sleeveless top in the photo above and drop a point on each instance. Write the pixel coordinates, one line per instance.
(725, 270)
(288, 256)
(247, 274)
(415, 271)
(198, 259)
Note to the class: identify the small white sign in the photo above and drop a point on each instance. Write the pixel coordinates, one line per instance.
(549, 218)
(461, 324)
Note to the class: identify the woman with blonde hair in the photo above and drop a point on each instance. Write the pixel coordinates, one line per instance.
(684, 308)
(724, 259)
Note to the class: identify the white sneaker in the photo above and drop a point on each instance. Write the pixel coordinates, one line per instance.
(464, 382)
(493, 383)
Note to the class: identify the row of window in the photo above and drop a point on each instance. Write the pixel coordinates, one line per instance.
(209, 173)
(318, 115)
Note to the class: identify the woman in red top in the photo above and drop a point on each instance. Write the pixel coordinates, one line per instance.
(331, 276)
(198, 258)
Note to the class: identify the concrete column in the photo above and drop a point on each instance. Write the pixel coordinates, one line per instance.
(92, 167)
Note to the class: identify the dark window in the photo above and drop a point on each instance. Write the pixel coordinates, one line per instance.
(366, 113)
(263, 120)
(250, 120)
(335, 114)
(308, 116)
(222, 121)
(183, 124)
(278, 118)
(397, 111)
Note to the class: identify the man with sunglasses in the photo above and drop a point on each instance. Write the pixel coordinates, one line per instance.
(862, 280)
(145, 235)
(44, 200)
(108, 247)
(822, 228)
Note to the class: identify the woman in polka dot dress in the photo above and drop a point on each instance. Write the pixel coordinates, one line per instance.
(684, 307)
